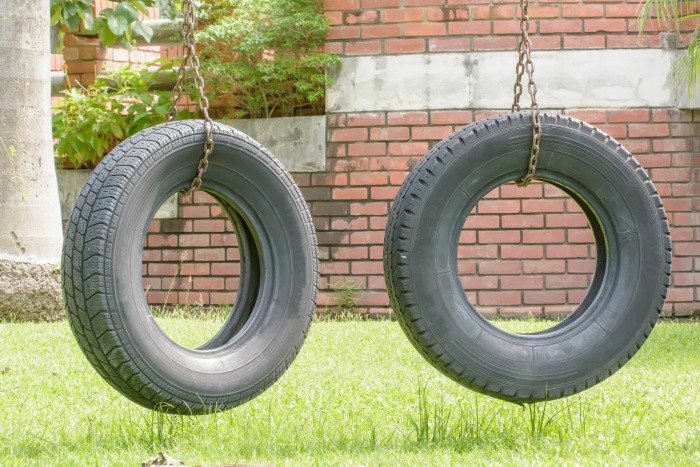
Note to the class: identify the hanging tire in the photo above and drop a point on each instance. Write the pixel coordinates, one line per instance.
(102, 281)
(628, 288)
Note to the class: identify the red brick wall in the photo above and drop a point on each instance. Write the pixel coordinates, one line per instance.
(369, 27)
(507, 269)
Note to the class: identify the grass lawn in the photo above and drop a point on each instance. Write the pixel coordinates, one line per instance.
(358, 394)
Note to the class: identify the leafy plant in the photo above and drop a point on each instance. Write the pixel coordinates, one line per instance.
(265, 55)
(679, 16)
(89, 122)
(111, 25)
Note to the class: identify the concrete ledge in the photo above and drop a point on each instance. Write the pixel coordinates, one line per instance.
(484, 80)
(298, 142)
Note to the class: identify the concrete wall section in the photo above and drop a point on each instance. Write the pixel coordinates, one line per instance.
(298, 142)
(484, 80)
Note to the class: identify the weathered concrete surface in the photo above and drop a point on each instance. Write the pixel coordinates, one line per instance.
(484, 80)
(30, 292)
(70, 182)
(298, 142)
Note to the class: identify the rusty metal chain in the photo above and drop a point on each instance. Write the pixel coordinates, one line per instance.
(191, 61)
(525, 65)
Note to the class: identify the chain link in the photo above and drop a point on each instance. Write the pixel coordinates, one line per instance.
(525, 65)
(190, 60)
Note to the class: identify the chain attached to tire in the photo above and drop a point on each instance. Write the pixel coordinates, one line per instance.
(190, 60)
(525, 65)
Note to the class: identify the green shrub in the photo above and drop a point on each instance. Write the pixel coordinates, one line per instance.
(89, 122)
(265, 55)
(111, 25)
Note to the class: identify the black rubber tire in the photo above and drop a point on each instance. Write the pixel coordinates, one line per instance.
(627, 291)
(104, 296)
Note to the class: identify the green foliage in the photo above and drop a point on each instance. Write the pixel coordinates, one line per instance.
(357, 394)
(111, 25)
(89, 122)
(265, 54)
(675, 15)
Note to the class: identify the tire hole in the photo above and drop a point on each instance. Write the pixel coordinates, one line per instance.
(526, 253)
(191, 268)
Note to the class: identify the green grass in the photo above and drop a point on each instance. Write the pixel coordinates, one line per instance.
(358, 394)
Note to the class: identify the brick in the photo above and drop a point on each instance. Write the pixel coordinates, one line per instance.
(482, 222)
(464, 28)
(334, 267)
(561, 26)
(622, 11)
(630, 116)
(500, 298)
(383, 192)
(390, 163)
(402, 15)
(450, 117)
(567, 251)
(499, 236)
(373, 299)
(368, 237)
(195, 269)
(344, 32)
(477, 251)
(582, 11)
(407, 118)
(366, 119)
(350, 193)
(511, 190)
(498, 206)
(228, 239)
(447, 14)
(546, 42)
(381, 30)
(431, 132)
(361, 17)
(479, 282)
(567, 281)
(222, 298)
(316, 193)
(193, 240)
(543, 297)
(506, 27)
(349, 252)
(605, 25)
(210, 254)
(380, 3)
(449, 45)
(494, 43)
(579, 236)
(193, 212)
(341, 4)
(648, 130)
(367, 267)
(378, 223)
(226, 269)
(424, 29)
(210, 225)
(521, 282)
(371, 209)
(163, 269)
(389, 133)
(349, 134)
(672, 145)
(566, 220)
(349, 223)
(543, 236)
(676, 174)
(368, 178)
(584, 42)
(548, 266)
(589, 116)
(363, 48)
(404, 46)
(366, 149)
(522, 251)
(159, 240)
(500, 267)
(467, 237)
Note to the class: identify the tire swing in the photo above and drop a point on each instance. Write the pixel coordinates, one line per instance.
(624, 212)
(102, 281)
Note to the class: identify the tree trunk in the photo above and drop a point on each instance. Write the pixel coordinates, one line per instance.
(30, 216)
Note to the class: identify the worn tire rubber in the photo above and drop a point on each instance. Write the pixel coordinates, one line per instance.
(625, 297)
(104, 296)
